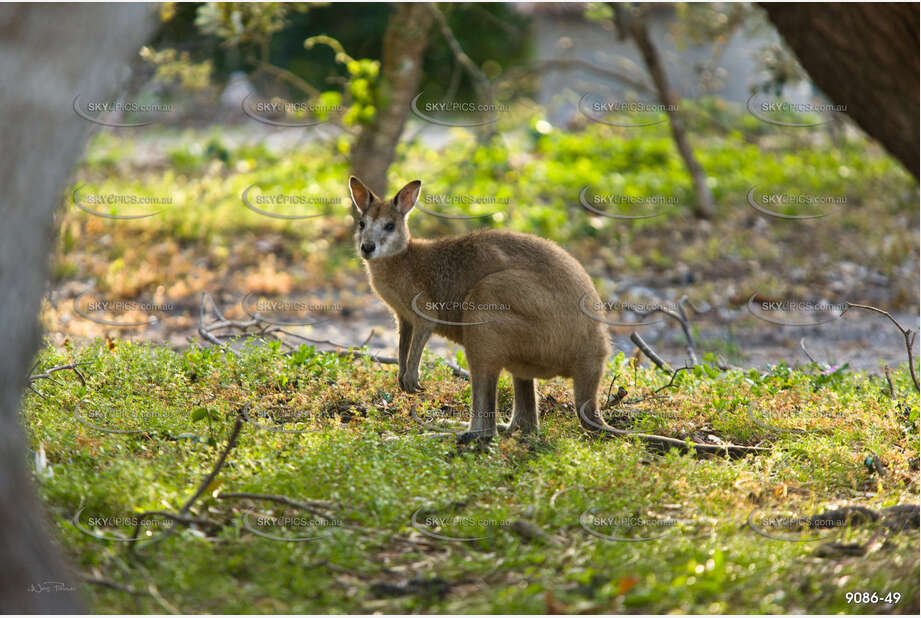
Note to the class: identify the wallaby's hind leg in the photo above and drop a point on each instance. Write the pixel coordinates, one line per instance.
(585, 388)
(525, 413)
(483, 383)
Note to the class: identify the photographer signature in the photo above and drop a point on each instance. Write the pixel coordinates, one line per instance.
(50, 587)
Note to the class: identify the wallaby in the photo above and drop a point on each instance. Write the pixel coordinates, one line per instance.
(511, 300)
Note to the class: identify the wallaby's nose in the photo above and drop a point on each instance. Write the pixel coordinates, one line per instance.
(368, 248)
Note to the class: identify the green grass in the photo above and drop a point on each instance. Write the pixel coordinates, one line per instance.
(361, 450)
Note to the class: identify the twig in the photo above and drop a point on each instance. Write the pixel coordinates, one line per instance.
(672, 381)
(681, 317)
(48, 375)
(317, 507)
(802, 345)
(202, 487)
(151, 590)
(649, 352)
(889, 380)
(907, 333)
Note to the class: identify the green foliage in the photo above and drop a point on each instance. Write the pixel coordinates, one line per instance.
(362, 85)
(707, 560)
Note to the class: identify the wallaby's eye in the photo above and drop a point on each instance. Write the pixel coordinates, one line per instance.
(389, 227)
(361, 225)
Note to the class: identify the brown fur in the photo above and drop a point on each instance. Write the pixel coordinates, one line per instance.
(513, 304)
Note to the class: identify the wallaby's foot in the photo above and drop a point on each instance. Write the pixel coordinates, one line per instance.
(469, 437)
(409, 383)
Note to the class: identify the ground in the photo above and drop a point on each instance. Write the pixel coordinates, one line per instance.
(522, 517)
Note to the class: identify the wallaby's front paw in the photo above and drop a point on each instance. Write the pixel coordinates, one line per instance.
(409, 383)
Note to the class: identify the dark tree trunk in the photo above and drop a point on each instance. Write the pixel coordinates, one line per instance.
(401, 69)
(48, 55)
(864, 56)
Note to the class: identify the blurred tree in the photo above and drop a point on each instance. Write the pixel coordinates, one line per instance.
(864, 56)
(404, 45)
(51, 52)
(631, 22)
(373, 92)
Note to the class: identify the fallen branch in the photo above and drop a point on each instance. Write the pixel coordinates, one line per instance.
(342, 350)
(181, 517)
(665, 443)
(317, 507)
(48, 375)
(108, 583)
(649, 352)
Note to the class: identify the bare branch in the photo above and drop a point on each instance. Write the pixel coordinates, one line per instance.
(480, 81)
(547, 66)
(907, 333)
(681, 317)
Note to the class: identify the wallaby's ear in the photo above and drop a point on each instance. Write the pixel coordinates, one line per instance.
(406, 197)
(362, 196)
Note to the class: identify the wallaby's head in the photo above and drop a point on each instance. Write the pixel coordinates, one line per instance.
(382, 229)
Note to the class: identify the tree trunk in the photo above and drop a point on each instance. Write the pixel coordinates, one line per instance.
(635, 25)
(48, 55)
(401, 69)
(863, 56)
